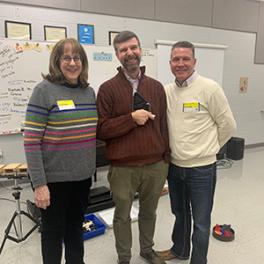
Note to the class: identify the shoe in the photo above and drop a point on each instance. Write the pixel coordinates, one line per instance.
(168, 255)
(152, 257)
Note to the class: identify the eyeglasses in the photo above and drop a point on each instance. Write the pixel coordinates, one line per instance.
(68, 59)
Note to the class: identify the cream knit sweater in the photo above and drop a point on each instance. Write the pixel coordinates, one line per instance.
(200, 121)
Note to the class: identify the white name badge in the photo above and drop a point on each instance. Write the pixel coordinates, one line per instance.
(65, 104)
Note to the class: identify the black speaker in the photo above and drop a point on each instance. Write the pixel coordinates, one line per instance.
(235, 148)
(101, 159)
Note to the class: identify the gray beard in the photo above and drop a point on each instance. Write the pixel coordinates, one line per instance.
(131, 68)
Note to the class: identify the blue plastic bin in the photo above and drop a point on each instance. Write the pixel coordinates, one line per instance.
(99, 225)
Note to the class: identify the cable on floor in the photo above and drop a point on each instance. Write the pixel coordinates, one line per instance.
(224, 164)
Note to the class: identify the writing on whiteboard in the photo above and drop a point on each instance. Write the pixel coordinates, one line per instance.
(21, 65)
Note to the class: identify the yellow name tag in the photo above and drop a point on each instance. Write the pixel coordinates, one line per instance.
(65, 104)
(191, 107)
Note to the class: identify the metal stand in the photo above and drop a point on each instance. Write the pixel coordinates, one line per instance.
(16, 220)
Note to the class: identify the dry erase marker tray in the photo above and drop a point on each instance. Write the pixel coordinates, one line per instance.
(92, 227)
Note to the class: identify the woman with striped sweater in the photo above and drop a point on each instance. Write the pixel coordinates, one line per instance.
(60, 146)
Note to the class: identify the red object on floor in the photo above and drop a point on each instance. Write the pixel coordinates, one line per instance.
(223, 233)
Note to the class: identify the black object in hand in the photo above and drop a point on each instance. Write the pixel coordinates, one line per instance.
(140, 103)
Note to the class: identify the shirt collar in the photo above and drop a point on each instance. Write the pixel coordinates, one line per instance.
(188, 81)
(131, 79)
(134, 82)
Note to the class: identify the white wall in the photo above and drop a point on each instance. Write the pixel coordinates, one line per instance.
(239, 57)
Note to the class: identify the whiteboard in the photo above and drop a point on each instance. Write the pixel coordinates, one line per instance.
(21, 65)
(210, 61)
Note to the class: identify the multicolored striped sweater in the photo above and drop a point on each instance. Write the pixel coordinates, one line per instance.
(60, 133)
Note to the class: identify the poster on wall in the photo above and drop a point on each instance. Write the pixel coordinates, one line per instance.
(111, 36)
(54, 34)
(243, 84)
(17, 30)
(86, 34)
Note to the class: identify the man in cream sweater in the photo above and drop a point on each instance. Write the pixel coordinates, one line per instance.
(200, 122)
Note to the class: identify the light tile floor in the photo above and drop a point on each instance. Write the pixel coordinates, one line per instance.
(238, 201)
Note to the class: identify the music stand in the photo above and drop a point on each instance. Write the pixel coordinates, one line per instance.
(16, 220)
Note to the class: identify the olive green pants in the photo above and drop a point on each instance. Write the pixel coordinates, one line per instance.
(148, 181)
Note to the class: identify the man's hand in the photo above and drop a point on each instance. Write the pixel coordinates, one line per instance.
(141, 116)
(42, 196)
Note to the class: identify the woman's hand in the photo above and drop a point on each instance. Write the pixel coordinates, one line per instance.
(42, 196)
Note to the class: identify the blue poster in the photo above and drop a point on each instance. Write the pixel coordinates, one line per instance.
(86, 34)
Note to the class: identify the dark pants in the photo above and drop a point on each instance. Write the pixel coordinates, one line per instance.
(191, 194)
(62, 222)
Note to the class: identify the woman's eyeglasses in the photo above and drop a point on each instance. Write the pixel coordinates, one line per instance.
(68, 59)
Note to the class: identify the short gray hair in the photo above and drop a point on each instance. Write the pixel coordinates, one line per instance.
(183, 44)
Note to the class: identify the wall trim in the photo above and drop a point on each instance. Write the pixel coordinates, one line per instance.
(257, 145)
(198, 45)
